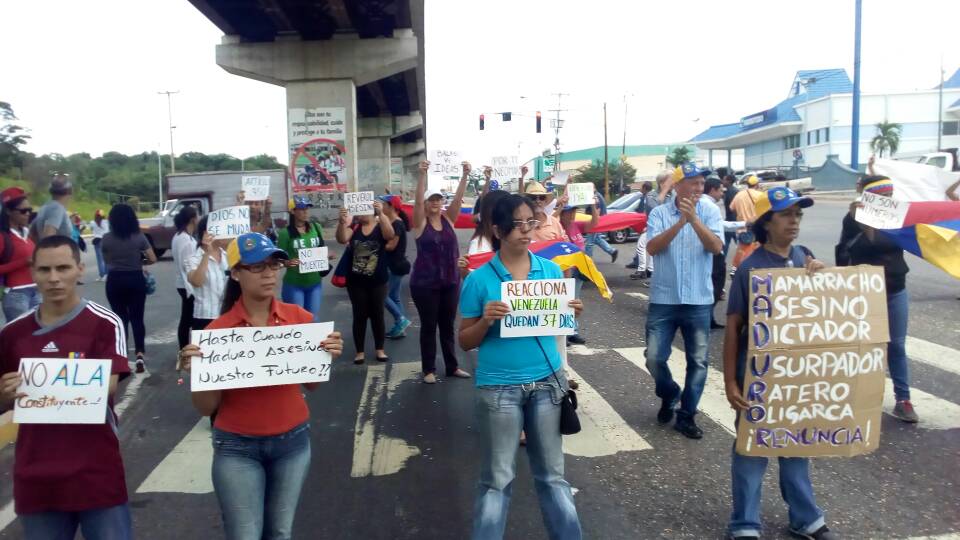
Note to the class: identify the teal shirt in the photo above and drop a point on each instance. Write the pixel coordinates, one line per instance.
(312, 238)
(505, 361)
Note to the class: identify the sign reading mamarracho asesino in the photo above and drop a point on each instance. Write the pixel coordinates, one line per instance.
(815, 362)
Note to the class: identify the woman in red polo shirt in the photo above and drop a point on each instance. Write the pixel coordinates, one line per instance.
(16, 250)
(261, 436)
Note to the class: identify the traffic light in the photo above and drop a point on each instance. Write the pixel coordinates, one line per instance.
(507, 116)
(538, 121)
(481, 122)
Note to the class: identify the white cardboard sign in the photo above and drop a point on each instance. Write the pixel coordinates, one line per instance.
(560, 178)
(538, 307)
(62, 391)
(260, 356)
(882, 212)
(580, 194)
(313, 259)
(255, 188)
(444, 163)
(359, 203)
(229, 222)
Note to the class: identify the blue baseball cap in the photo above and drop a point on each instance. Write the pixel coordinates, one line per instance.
(494, 185)
(300, 201)
(689, 170)
(778, 199)
(252, 248)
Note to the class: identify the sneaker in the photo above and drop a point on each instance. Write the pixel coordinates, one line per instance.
(733, 271)
(394, 331)
(459, 373)
(404, 324)
(823, 533)
(613, 256)
(688, 428)
(141, 366)
(632, 265)
(638, 275)
(904, 411)
(665, 414)
(576, 339)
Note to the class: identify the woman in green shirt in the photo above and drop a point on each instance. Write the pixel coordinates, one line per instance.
(299, 288)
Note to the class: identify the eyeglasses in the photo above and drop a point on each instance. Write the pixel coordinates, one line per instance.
(528, 225)
(24, 211)
(261, 267)
(539, 197)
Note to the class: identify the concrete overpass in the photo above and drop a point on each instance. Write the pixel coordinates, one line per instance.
(359, 61)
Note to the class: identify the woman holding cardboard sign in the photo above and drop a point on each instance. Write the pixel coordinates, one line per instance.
(520, 383)
(778, 214)
(301, 288)
(261, 436)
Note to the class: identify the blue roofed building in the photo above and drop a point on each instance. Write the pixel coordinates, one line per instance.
(814, 121)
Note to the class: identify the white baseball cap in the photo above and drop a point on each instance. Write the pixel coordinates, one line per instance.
(432, 192)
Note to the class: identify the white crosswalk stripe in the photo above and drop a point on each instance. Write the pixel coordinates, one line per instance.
(186, 469)
(604, 432)
(934, 355)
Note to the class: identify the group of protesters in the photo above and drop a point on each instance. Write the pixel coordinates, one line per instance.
(261, 435)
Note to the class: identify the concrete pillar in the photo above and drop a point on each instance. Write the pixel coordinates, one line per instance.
(730, 159)
(373, 164)
(710, 158)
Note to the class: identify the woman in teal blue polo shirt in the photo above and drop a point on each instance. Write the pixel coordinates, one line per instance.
(517, 389)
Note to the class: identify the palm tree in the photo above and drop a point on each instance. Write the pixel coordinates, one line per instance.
(678, 156)
(888, 138)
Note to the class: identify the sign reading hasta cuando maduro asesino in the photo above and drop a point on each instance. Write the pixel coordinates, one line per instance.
(815, 362)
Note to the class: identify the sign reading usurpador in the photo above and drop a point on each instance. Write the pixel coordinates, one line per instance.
(260, 356)
(815, 362)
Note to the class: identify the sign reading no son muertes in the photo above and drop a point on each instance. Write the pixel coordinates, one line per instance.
(815, 362)
(538, 307)
(62, 391)
(313, 259)
(260, 356)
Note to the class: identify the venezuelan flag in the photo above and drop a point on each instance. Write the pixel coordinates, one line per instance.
(931, 231)
(565, 254)
(464, 220)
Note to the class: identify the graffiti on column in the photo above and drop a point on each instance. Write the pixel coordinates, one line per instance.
(317, 139)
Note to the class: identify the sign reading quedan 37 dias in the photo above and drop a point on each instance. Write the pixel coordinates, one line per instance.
(261, 356)
(62, 391)
(815, 362)
(538, 307)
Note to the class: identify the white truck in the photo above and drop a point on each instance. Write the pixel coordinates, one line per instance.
(946, 159)
(208, 191)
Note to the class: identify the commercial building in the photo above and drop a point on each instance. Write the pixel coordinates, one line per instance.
(815, 121)
(647, 159)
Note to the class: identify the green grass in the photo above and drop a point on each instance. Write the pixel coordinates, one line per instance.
(82, 204)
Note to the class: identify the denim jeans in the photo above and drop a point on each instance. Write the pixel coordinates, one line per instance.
(101, 265)
(502, 413)
(258, 481)
(663, 321)
(897, 311)
(111, 523)
(308, 298)
(746, 474)
(393, 302)
(597, 239)
(16, 302)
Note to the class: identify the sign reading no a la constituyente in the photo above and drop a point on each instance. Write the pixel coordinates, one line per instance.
(815, 362)
(62, 391)
(260, 356)
(538, 307)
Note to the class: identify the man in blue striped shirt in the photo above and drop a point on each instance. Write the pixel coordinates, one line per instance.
(685, 234)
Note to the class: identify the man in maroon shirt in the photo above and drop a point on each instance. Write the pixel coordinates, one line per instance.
(66, 476)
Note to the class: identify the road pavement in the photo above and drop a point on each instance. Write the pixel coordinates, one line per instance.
(394, 458)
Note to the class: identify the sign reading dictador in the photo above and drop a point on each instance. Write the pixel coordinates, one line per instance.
(815, 362)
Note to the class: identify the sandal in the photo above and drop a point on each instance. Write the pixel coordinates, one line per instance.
(430, 378)
(358, 361)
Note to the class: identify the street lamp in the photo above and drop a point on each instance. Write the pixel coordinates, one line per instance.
(173, 165)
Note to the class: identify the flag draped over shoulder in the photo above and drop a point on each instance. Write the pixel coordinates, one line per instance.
(931, 230)
(565, 254)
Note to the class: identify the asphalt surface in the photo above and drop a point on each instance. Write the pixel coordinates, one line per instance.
(394, 458)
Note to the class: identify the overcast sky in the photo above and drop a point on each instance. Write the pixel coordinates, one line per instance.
(84, 76)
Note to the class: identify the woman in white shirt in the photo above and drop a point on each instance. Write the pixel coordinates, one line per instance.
(207, 277)
(183, 247)
(482, 241)
(99, 226)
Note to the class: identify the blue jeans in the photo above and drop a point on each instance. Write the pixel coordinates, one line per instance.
(599, 239)
(897, 311)
(393, 302)
(502, 413)
(101, 265)
(308, 298)
(16, 302)
(663, 320)
(99, 524)
(746, 474)
(258, 481)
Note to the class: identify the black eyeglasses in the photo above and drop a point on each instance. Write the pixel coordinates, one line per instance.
(261, 267)
(538, 197)
(24, 211)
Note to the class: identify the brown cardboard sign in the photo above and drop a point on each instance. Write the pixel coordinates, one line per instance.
(815, 362)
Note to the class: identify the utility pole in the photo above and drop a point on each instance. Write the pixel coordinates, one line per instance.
(940, 110)
(606, 160)
(623, 149)
(173, 165)
(855, 138)
(159, 181)
(557, 124)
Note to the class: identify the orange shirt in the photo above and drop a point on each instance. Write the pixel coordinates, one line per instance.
(551, 229)
(744, 202)
(264, 410)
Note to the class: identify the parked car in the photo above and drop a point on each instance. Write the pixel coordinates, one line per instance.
(627, 203)
(770, 178)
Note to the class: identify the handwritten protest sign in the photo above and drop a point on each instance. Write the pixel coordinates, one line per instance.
(444, 163)
(62, 391)
(255, 188)
(538, 307)
(505, 168)
(359, 203)
(560, 178)
(882, 212)
(815, 362)
(229, 222)
(260, 356)
(580, 194)
(313, 260)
